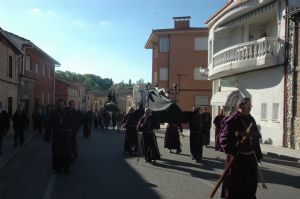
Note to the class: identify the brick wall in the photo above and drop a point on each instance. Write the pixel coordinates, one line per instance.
(42, 82)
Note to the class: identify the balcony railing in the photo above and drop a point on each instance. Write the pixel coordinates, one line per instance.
(267, 46)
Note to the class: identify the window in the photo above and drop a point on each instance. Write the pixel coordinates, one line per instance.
(43, 97)
(163, 74)
(164, 44)
(201, 43)
(10, 69)
(201, 101)
(36, 68)
(49, 73)
(48, 98)
(10, 106)
(264, 113)
(275, 111)
(28, 63)
(43, 70)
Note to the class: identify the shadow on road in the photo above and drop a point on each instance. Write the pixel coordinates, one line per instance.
(102, 172)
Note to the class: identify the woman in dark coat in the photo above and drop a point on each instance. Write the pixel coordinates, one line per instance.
(149, 142)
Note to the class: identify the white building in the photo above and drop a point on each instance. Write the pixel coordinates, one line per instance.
(247, 58)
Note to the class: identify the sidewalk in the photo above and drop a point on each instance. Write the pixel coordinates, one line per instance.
(8, 150)
(267, 149)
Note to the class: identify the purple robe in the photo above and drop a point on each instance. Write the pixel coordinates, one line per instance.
(241, 180)
(217, 121)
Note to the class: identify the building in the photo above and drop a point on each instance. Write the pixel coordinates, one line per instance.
(10, 59)
(246, 57)
(124, 99)
(95, 99)
(292, 136)
(139, 95)
(68, 90)
(37, 74)
(179, 63)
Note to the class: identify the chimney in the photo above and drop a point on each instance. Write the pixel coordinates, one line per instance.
(181, 23)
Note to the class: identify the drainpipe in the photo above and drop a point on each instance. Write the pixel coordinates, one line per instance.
(169, 55)
(285, 74)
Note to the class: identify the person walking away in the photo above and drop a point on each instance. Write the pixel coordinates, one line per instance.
(76, 120)
(242, 179)
(20, 122)
(196, 143)
(114, 119)
(87, 123)
(131, 135)
(60, 127)
(172, 137)
(4, 125)
(217, 122)
(206, 126)
(146, 125)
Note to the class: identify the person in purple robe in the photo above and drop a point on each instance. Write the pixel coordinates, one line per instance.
(149, 143)
(131, 135)
(217, 122)
(241, 180)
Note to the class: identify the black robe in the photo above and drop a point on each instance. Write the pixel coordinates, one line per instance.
(196, 137)
(61, 126)
(149, 142)
(131, 135)
(172, 137)
(205, 127)
(241, 180)
(87, 123)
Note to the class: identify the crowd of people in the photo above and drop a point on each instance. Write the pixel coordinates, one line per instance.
(236, 134)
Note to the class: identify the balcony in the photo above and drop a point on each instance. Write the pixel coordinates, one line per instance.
(245, 57)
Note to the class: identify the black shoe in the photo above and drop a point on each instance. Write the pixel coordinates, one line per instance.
(178, 151)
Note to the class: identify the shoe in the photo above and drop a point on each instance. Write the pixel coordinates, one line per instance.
(178, 151)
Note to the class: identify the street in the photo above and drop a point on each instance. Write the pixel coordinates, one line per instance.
(102, 171)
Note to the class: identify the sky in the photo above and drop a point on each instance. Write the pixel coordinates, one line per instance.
(102, 37)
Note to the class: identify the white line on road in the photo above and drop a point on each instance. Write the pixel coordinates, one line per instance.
(50, 187)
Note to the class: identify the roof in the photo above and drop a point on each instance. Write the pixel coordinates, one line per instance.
(11, 41)
(22, 42)
(67, 81)
(230, 5)
(98, 92)
(171, 31)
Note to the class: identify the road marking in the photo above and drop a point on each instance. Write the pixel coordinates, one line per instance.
(50, 187)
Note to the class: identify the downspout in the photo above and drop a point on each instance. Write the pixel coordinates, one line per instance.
(169, 55)
(53, 98)
(285, 74)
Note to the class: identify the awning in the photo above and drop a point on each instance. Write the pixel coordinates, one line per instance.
(225, 98)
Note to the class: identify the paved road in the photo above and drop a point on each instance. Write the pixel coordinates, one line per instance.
(102, 171)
